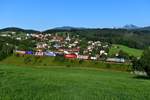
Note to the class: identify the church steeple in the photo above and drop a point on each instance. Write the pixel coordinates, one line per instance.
(68, 37)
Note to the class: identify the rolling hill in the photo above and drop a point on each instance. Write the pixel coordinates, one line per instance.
(131, 51)
(15, 29)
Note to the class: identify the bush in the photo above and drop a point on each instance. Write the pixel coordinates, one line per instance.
(44, 64)
(27, 60)
(68, 65)
(81, 61)
(95, 62)
(60, 59)
(123, 54)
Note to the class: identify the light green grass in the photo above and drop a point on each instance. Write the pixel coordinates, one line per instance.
(130, 51)
(31, 83)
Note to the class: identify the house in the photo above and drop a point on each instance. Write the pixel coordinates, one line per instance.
(102, 52)
(72, 50)
(29, 52)
(41, 45)
(83, 57)
(57, 38)
(4, 35)
(117, 60)
(39, 53)
(93, 58)
(20, 52)
(48, 53)
(66, 52)
(57, 46)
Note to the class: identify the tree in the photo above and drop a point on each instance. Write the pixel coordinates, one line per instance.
(145, 61)
(136, 64)
(123, 54)
(5, 51)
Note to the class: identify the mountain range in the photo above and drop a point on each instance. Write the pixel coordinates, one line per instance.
(134, 27)
(68, 28)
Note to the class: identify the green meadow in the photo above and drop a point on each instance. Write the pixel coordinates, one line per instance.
(28, 60)
(73, 83)
(131, 51)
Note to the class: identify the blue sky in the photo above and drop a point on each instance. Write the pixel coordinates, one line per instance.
(44, 14)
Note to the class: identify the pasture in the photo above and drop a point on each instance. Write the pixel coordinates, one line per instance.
(130, 51)
(73, 83)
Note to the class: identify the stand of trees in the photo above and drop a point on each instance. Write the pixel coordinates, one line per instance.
(5, 51)
(7, 45)
(143, 64)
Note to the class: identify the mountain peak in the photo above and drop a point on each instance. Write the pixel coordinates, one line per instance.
(130, 26)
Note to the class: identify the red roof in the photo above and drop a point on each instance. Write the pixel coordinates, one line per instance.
(70, 56)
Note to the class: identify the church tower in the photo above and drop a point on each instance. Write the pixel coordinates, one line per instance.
(68, 37)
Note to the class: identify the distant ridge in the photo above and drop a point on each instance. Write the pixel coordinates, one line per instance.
(146, 28)
(15, 29)
(134, 27)
(67, 28)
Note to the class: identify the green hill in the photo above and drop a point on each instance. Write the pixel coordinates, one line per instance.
(20, 30)
(75, 83)
(131, 51)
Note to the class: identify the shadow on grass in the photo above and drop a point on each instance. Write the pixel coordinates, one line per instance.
(142, 77)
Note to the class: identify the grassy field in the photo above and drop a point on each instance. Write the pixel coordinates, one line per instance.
(75, 83)
(52, 61)
(131, 51)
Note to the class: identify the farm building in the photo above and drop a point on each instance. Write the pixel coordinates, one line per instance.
(20, 52)
(72, 56)
(52, 54)
(84, 57)
(117, 60)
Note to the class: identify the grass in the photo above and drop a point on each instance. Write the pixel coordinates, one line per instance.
(131, 51)
(52, 61)
(75, 83)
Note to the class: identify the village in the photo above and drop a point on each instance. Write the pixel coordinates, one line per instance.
(67, 45)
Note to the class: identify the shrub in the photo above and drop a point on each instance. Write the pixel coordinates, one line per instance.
(27, 60)
(68, 65)
(81, 61)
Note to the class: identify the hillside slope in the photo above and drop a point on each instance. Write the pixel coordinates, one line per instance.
(59, 61)
(25, 83)
(131, 51)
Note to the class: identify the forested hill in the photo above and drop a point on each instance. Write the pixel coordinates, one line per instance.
(15, 29)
